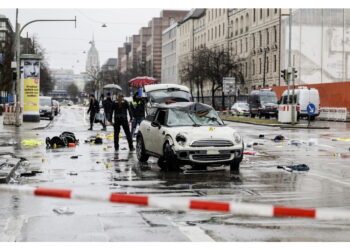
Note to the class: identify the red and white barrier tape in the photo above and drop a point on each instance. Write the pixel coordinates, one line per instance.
(185, 204)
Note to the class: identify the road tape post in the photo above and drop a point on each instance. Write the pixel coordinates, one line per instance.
(184, 204)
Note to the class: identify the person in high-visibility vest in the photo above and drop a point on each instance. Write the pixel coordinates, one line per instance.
(138, 110)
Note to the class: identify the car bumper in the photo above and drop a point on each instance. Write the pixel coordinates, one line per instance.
(44, 113)
(208, 156)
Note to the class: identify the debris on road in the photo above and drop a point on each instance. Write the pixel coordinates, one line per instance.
(295, 142)
(341, 139)
(63, 210)
(279, 138)
(298, 167)
(32, 142)
(74, 157)
(261, 136)
(73, 173)
(66, 139)
(249, 153)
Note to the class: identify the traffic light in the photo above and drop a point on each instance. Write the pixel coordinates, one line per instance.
(283, 74)
(295, 73)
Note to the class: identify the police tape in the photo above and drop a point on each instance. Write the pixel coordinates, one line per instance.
(185, 204)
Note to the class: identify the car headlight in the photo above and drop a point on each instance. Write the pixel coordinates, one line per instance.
(237, 138)
(180, 139)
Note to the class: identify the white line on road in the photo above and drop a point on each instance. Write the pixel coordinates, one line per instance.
(194, 233)
(13, 228)
(331, 179)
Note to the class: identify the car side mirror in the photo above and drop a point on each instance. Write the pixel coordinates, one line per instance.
(155, 124)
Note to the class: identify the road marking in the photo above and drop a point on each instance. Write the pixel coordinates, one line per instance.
(331, 179)
(194, 233)
(13, 228)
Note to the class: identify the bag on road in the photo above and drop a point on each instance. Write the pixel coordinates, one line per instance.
(61, 141)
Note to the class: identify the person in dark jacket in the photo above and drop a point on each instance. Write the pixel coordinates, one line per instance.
(107, 107)
(138, 111)
(120, 109)
(94, 108)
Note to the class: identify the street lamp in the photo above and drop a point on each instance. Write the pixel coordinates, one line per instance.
(18, 52)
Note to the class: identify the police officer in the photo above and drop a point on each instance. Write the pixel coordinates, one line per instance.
(138, 111)
(120, 109)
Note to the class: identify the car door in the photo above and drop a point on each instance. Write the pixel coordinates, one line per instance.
(158, 133)
(146, 128)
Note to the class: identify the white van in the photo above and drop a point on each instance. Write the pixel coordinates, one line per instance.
(303, 96)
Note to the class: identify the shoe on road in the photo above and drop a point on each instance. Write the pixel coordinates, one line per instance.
(132, 149)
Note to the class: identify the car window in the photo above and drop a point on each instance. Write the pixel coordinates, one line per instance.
(45, 102)
(177, 117)
(151, 112)
(161, 117)
(163, 95)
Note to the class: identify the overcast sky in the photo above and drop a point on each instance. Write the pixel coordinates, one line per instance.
(65, 45)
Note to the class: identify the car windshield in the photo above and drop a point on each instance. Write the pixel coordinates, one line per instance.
(268, 99)
(177, 117)
(164, 95)
(45, 102)
(243, 105)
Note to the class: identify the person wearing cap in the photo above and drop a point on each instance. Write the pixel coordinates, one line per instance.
(138, 111)
(108, 107)
(120, 108)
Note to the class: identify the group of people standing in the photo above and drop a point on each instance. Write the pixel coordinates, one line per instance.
(120, 109)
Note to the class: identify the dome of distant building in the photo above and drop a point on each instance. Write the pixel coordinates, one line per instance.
(93, 60)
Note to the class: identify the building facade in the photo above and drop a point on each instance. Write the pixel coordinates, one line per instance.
(169, 62)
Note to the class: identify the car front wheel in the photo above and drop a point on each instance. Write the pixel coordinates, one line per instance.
(140, 150)
(170, 159)
(234, 165)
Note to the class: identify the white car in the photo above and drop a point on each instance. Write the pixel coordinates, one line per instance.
(188, 133)
(161, 93)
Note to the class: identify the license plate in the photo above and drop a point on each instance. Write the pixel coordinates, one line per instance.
(212, 152)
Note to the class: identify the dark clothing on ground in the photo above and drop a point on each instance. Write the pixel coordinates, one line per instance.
(121, 119)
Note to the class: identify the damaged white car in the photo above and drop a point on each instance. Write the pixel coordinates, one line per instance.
(188, 133)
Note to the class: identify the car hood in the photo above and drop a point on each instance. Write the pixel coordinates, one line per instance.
(203, 132)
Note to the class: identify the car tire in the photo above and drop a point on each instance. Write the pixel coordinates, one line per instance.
(51, 117)
(235, 163)
(140, 149)
(252, 116)
(170, 160)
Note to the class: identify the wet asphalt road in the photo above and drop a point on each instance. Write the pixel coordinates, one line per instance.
(326, 185)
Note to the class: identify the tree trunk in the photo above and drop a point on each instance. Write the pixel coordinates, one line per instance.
(201, 86)
(197, 85)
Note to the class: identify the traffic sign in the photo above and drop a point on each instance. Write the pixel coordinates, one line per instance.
(311, 109)
(229, 84)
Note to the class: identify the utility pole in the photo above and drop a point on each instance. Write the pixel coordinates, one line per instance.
(19, 102)
(290, 69)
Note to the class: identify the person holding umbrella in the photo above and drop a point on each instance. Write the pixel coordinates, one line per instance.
(120, 109)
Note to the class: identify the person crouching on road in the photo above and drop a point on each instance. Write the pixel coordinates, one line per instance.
(94, 109)
(108, 108)
(138, 111)
(120, 109)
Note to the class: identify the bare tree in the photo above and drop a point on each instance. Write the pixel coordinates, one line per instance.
(73, 90)
(94, 75)
(6, 81)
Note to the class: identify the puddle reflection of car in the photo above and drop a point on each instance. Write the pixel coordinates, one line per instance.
(188, 133)
(240, 109)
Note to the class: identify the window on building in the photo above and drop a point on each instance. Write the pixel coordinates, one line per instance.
(219, 12)
(242, 23)
(236, 46)
(246, 69)
(232, 28)
(274, 63)
(267, 64)
(208, 34)
(246, 22)
(246, 44)
(241, 45)
(267, 12)
(260, 65)
(219, 30)
(267, 37)
(253, 41)
(276, 10)
(216, 13)
(254, 11)
(236, 27)
(208, 15)
(275, 33)
(260, 39)
(261, 13)
(215, 32)
(212, 33)
(223, 29)
(253, 67)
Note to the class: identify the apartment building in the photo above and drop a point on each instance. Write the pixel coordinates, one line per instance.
(169, 61)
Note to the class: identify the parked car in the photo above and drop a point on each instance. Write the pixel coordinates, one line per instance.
(240, 108)
(302, 97)
(263, 102)
(46, 108)
(56, 106)
(188, 133)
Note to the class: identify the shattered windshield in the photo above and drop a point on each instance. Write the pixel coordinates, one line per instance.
(164, 95)
(177, 117)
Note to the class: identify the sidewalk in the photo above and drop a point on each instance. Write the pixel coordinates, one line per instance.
(25, 126)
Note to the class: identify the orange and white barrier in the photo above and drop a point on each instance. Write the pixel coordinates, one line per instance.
(10, 114)
(333, 114)
(184, 204)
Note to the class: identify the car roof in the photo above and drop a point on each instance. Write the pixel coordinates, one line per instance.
(153, 87)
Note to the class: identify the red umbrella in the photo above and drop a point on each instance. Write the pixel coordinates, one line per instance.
(140, 81)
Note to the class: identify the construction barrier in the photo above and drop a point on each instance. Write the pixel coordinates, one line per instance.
(333, 114)
(10, 115)
(184, 204)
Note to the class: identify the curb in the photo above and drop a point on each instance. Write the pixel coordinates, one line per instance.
(184, 204)
(44, 127)
(278, 125)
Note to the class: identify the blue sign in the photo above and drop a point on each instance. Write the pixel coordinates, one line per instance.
(311, 109)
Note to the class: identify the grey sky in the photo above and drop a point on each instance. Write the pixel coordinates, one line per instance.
(65, 45)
